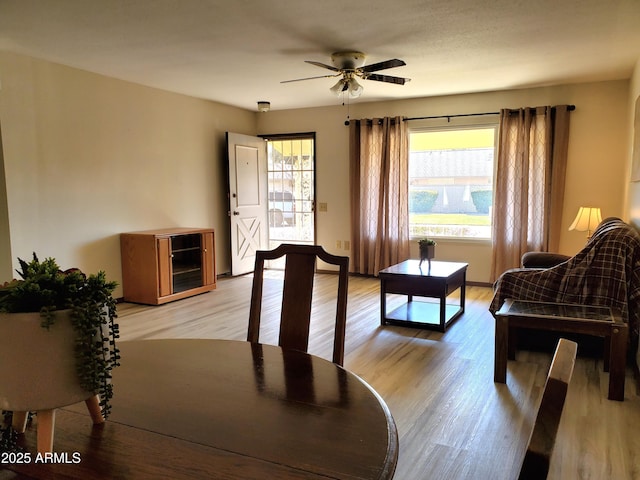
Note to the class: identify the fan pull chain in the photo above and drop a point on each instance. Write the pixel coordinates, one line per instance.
(346, 122)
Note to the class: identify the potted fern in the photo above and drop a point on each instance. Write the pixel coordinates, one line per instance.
(58, 342)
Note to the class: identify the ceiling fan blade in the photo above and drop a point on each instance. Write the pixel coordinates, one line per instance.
(309, 78)
(386, 78)
(374, 67)
(322, 65)
(318, 64)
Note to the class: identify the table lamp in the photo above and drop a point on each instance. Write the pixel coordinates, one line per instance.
(587, 219)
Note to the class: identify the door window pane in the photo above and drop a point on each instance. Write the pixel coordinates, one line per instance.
(291, 174)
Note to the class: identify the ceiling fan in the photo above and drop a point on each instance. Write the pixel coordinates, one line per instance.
(348, 66)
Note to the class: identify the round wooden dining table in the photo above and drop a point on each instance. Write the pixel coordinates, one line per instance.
(227, 409)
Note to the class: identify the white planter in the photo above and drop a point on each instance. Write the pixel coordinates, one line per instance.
(38, 372)
(38, 366)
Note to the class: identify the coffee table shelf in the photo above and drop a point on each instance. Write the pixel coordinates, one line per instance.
(421, 312)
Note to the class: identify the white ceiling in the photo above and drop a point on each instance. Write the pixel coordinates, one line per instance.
(237, 51)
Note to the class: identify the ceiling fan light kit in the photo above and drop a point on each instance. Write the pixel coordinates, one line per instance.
(348, 66)
(349, 85)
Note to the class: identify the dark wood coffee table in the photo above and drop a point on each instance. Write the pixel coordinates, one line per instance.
(434, 280)
(561, 317)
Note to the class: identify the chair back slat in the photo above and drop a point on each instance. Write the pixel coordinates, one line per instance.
(300, 266)
(295, 315)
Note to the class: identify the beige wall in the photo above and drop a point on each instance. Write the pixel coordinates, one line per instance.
(596, 170)
(5, 243)
(87, 157)
(634, 187)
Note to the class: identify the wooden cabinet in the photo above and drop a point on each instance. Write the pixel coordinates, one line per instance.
(160, 266)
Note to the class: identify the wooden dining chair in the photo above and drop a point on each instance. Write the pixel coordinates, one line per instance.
(543, 436)
(297, 295)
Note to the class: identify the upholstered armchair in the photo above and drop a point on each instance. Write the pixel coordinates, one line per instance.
(606, 272)
(543, 259)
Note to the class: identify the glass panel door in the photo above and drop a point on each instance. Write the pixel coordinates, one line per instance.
(186, 255)
(291, 177)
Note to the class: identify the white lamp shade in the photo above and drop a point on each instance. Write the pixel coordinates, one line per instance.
(349, 85)
(587, 219)
(355, 89)
(338, 87)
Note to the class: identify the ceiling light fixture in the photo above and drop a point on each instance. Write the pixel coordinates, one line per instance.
(349, 65)
(347, 84)
(264, 106)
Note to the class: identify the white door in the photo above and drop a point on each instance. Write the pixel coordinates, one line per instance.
(247, 199)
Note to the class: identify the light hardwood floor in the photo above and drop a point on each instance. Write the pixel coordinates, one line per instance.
(453, 421)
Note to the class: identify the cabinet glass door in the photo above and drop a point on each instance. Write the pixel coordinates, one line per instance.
(186, 257)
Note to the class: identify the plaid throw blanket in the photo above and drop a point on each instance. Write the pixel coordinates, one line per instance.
(605, 273)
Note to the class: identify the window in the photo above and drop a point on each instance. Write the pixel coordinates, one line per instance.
(451, 182)
(291, 176)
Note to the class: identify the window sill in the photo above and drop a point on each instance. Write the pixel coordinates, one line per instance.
(452, 240)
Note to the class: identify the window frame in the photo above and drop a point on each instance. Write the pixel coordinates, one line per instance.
(452, 125)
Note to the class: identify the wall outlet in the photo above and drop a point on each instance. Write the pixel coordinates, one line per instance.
(338, 244)
(347, 245)
(322, 207)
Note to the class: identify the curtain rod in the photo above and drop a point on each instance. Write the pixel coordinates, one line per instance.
(570, 108)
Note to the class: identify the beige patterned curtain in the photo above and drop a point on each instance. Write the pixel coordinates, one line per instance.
(529, 190)
(379, 181)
